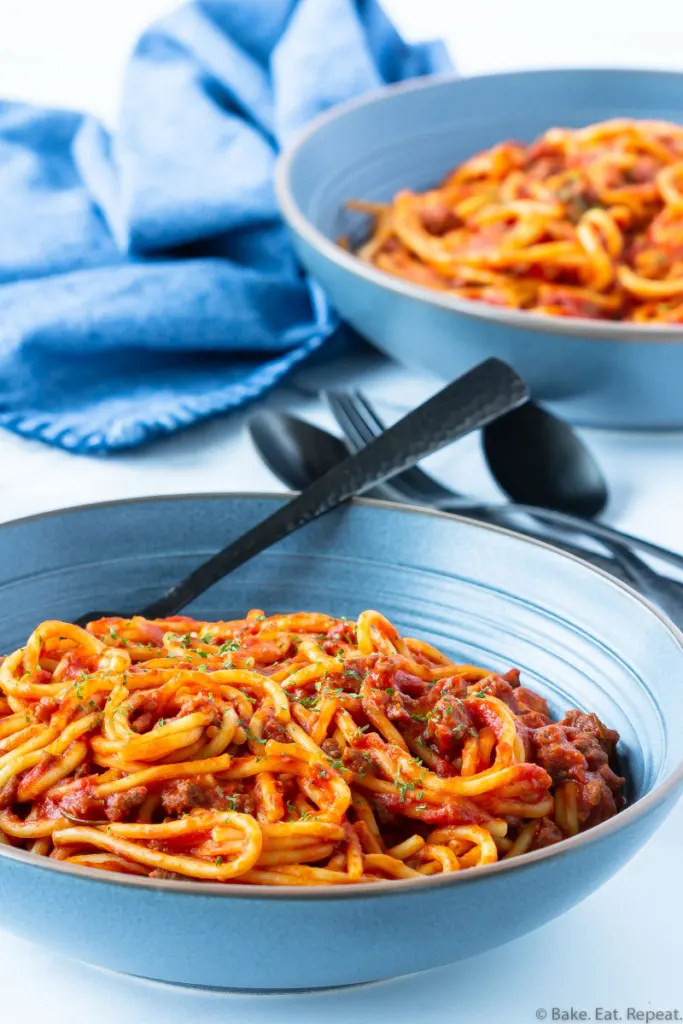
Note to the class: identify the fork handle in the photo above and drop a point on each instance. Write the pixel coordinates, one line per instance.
(467, 404)
(564, 520)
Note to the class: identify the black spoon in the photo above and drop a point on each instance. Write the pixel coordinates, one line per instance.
(360, 423)
(469, 403)
(538, 459)
(295, 451)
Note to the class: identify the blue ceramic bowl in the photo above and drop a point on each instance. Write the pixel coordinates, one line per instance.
(597, 373)
(480, 593)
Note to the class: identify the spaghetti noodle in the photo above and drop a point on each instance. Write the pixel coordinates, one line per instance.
(584, 223)
(289, 750)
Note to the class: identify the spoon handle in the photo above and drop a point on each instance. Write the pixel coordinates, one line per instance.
(589, 527)
(467, 404)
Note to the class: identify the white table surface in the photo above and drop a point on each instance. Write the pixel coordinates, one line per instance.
(621, 947)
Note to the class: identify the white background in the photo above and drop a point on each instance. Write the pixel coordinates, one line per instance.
(619, 949)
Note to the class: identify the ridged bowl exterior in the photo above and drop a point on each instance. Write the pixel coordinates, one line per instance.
(591, 372)
(482, 594)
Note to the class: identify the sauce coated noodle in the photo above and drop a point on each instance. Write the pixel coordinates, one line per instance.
(293, 749)
(583, 223)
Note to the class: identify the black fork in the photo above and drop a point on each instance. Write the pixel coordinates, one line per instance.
(360, 424)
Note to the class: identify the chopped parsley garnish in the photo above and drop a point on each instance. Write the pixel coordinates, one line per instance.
(403, 787)
(229, 645)
(251, 736)
(219, 860)
(308, 702)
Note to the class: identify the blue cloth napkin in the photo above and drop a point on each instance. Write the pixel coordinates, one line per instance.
(146, 280)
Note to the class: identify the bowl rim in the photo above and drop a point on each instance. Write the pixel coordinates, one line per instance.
(570, 326)
(361, 890)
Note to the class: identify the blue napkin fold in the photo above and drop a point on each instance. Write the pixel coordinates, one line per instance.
(146, 280)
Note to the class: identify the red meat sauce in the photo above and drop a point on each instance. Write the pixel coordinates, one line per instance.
(578, 748)
(439, 714)
(177, 797)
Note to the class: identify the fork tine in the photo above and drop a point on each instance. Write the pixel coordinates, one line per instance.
(344, 412)
(349, 413)
(371, 419)
(356, 434)
(414, 484)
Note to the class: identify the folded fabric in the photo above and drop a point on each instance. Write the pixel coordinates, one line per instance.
(146, 280)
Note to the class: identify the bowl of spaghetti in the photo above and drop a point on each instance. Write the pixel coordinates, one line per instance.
(419, 718)
(534, 216)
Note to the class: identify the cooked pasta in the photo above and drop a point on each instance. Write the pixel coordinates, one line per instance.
(293, 749)
(583, 223)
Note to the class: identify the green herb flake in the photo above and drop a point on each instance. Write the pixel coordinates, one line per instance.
(308, 702)
(402, 787)
(229, 645)
(251, 736)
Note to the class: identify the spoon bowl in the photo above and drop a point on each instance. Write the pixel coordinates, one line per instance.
(295, 451)
(466, 404)
(538, 459)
